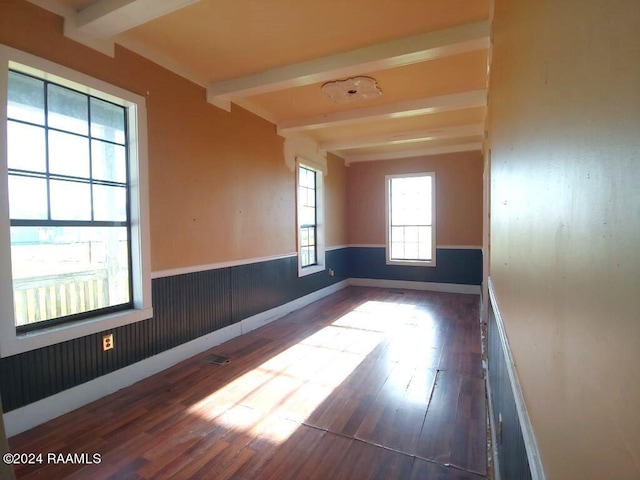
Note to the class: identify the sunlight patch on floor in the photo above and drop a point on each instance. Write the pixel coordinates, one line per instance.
(271, 400)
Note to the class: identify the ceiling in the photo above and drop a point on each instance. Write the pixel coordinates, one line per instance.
(272, 57)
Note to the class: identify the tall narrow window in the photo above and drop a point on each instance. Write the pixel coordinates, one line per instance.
(74, 225)
(68, 202)
(310, 220)
(308, 226)
(411, 219)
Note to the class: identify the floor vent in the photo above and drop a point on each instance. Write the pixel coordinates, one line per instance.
(217, 359)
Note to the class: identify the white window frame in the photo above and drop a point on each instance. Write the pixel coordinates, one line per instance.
(320, 223)
(11, 342)
(417, 263)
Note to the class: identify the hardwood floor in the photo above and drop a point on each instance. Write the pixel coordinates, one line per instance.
(364, 384)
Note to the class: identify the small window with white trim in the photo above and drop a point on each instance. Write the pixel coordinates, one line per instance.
(310, 219)
(73, 181)
(410, 215)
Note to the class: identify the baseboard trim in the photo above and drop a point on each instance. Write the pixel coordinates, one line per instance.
(39, 412)
(531, 445)
(410, 285)
(492, 427)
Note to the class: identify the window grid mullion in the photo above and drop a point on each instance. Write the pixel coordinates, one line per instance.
(46, 146)
(91, 201)
(67, 178)
(59, 130)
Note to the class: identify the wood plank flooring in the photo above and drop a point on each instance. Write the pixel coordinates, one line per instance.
(364, 384)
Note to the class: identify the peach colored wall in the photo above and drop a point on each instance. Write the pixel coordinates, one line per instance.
(335, 187)
(219, 187)
(458, 197)
(565, 225)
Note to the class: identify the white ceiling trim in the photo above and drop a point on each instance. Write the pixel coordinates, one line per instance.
(159, 58)
(404, 51)
(105, 46)
(420, 152)
(262, 113)
(411, 108)
(107, 18)
(405, 137)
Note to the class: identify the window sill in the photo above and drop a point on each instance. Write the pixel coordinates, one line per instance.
(12, 343)
(303, 272)
(412, 263)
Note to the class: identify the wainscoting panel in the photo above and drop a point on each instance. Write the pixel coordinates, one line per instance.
(510, 445)
(185, 307)
(453, 265)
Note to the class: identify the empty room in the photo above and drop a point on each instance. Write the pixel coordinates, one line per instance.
(340, 239)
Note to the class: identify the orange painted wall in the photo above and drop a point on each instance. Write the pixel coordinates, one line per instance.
(219, 187)
(564, 110)
(335, 187)
(458, 197)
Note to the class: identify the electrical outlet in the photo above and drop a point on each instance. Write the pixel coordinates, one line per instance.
(499, 432)
(107, 342)
(331, 272)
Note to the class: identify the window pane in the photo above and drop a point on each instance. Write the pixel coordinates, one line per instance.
(397, 250)
(26, 98)
(68, 154)
(107, 121)
(411, 234)
(108, 161)
(302, 177)
(312, 256)
(109, 203)
(304, 237)
(411, 201)
(307, 178)
(304, 256)
(68, 110)
(311, 198)
(411, 251)
(308, 216)
(311, 235)
(70, 200)
(397, 234)
(425, 244)
(26, 147)
(60, 271)
(27, 198)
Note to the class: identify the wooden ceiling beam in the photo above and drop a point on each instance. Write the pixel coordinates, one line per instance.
(395, 53)
(411, 108)
(404, 137)
(107, 18)
(419, 152)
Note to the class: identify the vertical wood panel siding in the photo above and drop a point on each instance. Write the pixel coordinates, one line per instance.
(459, 266)
(185, 308)
(512, 453)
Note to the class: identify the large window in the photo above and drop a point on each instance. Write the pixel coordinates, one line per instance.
(68, 203)
(310, 220)
(74, 177)
(411, 219)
